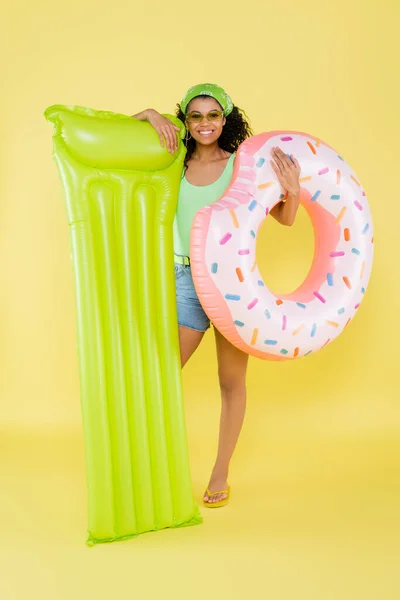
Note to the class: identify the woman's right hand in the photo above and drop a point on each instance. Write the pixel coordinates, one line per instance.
(166, 130)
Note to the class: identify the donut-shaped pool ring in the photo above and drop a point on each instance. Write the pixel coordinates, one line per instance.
(223, 251)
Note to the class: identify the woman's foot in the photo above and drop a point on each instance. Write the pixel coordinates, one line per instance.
(216, 484)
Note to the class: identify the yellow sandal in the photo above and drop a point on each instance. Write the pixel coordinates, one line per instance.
(223, 502)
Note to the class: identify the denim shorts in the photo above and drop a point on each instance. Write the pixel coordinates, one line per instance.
(190, 311)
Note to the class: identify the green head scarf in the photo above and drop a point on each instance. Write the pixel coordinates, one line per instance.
(208, 89)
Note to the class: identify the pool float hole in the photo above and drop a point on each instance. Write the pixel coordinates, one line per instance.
(285, 254)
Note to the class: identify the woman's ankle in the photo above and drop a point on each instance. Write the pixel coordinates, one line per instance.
(220, 472)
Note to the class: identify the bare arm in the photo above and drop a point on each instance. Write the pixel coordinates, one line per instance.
(142, 116)
(285, 211)
(166, 130)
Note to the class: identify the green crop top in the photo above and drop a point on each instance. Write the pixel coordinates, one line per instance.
(193, 197)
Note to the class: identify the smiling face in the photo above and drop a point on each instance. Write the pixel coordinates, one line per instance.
(205, 132)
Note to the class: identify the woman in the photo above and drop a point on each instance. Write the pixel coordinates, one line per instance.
(215, 129)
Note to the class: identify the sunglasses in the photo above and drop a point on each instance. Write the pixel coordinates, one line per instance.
(197, 117)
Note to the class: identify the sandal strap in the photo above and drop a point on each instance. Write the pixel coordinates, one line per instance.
(216, 493)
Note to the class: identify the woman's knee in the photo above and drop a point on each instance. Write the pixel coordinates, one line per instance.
(231, 383)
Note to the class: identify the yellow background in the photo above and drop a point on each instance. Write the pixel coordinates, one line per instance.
(315, 478)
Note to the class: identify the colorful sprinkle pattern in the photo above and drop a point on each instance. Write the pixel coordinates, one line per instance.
(294, 327)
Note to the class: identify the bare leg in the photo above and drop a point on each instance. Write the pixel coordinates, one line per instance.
(189, 340)
(232, 367)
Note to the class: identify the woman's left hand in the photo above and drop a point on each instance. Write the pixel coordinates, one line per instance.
(287, 171)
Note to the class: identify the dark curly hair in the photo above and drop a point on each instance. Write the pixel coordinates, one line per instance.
(234, 132)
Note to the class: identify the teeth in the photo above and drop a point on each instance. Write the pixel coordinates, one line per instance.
(205, 132)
